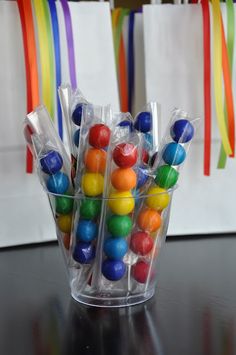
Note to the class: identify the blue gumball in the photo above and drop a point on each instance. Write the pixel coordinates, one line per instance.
(76, 137)
(84, 253)
(182, 131)
(142, 177)
(86, 231)
(154, 159)
(136, 195)
(173, 154)
(51, 162)
(58, 183)
(115, 248)
(77, 114)
(143, 122)
(113, 270)
(148, 141)
(127, 123)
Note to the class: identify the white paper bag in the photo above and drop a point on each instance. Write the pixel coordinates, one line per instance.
(174, 77)
(25, 216)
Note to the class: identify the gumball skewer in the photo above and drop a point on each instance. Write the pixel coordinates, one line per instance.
(154, 210)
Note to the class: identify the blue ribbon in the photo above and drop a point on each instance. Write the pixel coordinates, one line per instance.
(57, 56)
(131, 60)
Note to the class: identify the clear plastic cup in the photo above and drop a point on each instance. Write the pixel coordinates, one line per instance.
(107, 269)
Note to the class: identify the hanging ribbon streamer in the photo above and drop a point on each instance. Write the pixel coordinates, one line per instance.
(227, 59)
(118, 20)
(131, 63)
(70, 43)
(31, 67)
(45, 50)
(228, 91)
(57, 57)
(217, 65)
(207, 85)
(115, 16)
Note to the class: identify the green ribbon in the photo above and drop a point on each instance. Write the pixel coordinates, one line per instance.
(230, 50)
(123, 13)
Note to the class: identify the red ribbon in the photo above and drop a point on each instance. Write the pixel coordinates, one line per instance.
(207, 85)
(31, 68)
(123, 77)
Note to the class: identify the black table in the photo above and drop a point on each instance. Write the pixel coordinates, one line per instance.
(193, 311)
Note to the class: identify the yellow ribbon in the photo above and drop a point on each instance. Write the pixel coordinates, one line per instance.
(46, 54)
(217, 66)
(114, 19)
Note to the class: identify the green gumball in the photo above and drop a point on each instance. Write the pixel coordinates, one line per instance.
(90, 208)
(166, 176)
(119, 226)
(64, 205)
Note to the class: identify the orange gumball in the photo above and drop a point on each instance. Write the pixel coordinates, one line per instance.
(66, 241)
(149, 220)
(123, 179)
(95, 160)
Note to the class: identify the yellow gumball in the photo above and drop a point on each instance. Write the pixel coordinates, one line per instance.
(159, 200)
(64, 223)
(92, 184)
(121, 202)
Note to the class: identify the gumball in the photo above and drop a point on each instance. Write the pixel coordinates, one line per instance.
(64, 223)
(158, 199)
(92, 184)
(84, 252)
(77, 114)
(143, 122)
(64, 205)
(86, 231)
(90, 208)
(123, 179)
(182, 131)
(142, 176)
(166, 176)
(121, 203)
(140, 271)
(51, 162)
(173, 154)
(115, 248)
(149, 220)
(127, 123)
(76, 137)
(141, 243)
(125, 155)
(113, 270)
(58, 183)
(148, 141)
(95, 160)
(153, 158)
(66, 241)
(145, 156)
(99, 136)
(119, 226)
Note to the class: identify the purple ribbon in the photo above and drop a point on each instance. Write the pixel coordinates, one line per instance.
(70, 43)
(131, 63)
(57, 51)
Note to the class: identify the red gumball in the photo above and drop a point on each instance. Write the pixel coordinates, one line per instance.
(141, 243)
(125, 155)
(140, 271)
(99, 136)
(145, 156)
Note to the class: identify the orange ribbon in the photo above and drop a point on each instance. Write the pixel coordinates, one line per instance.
(31, 67)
